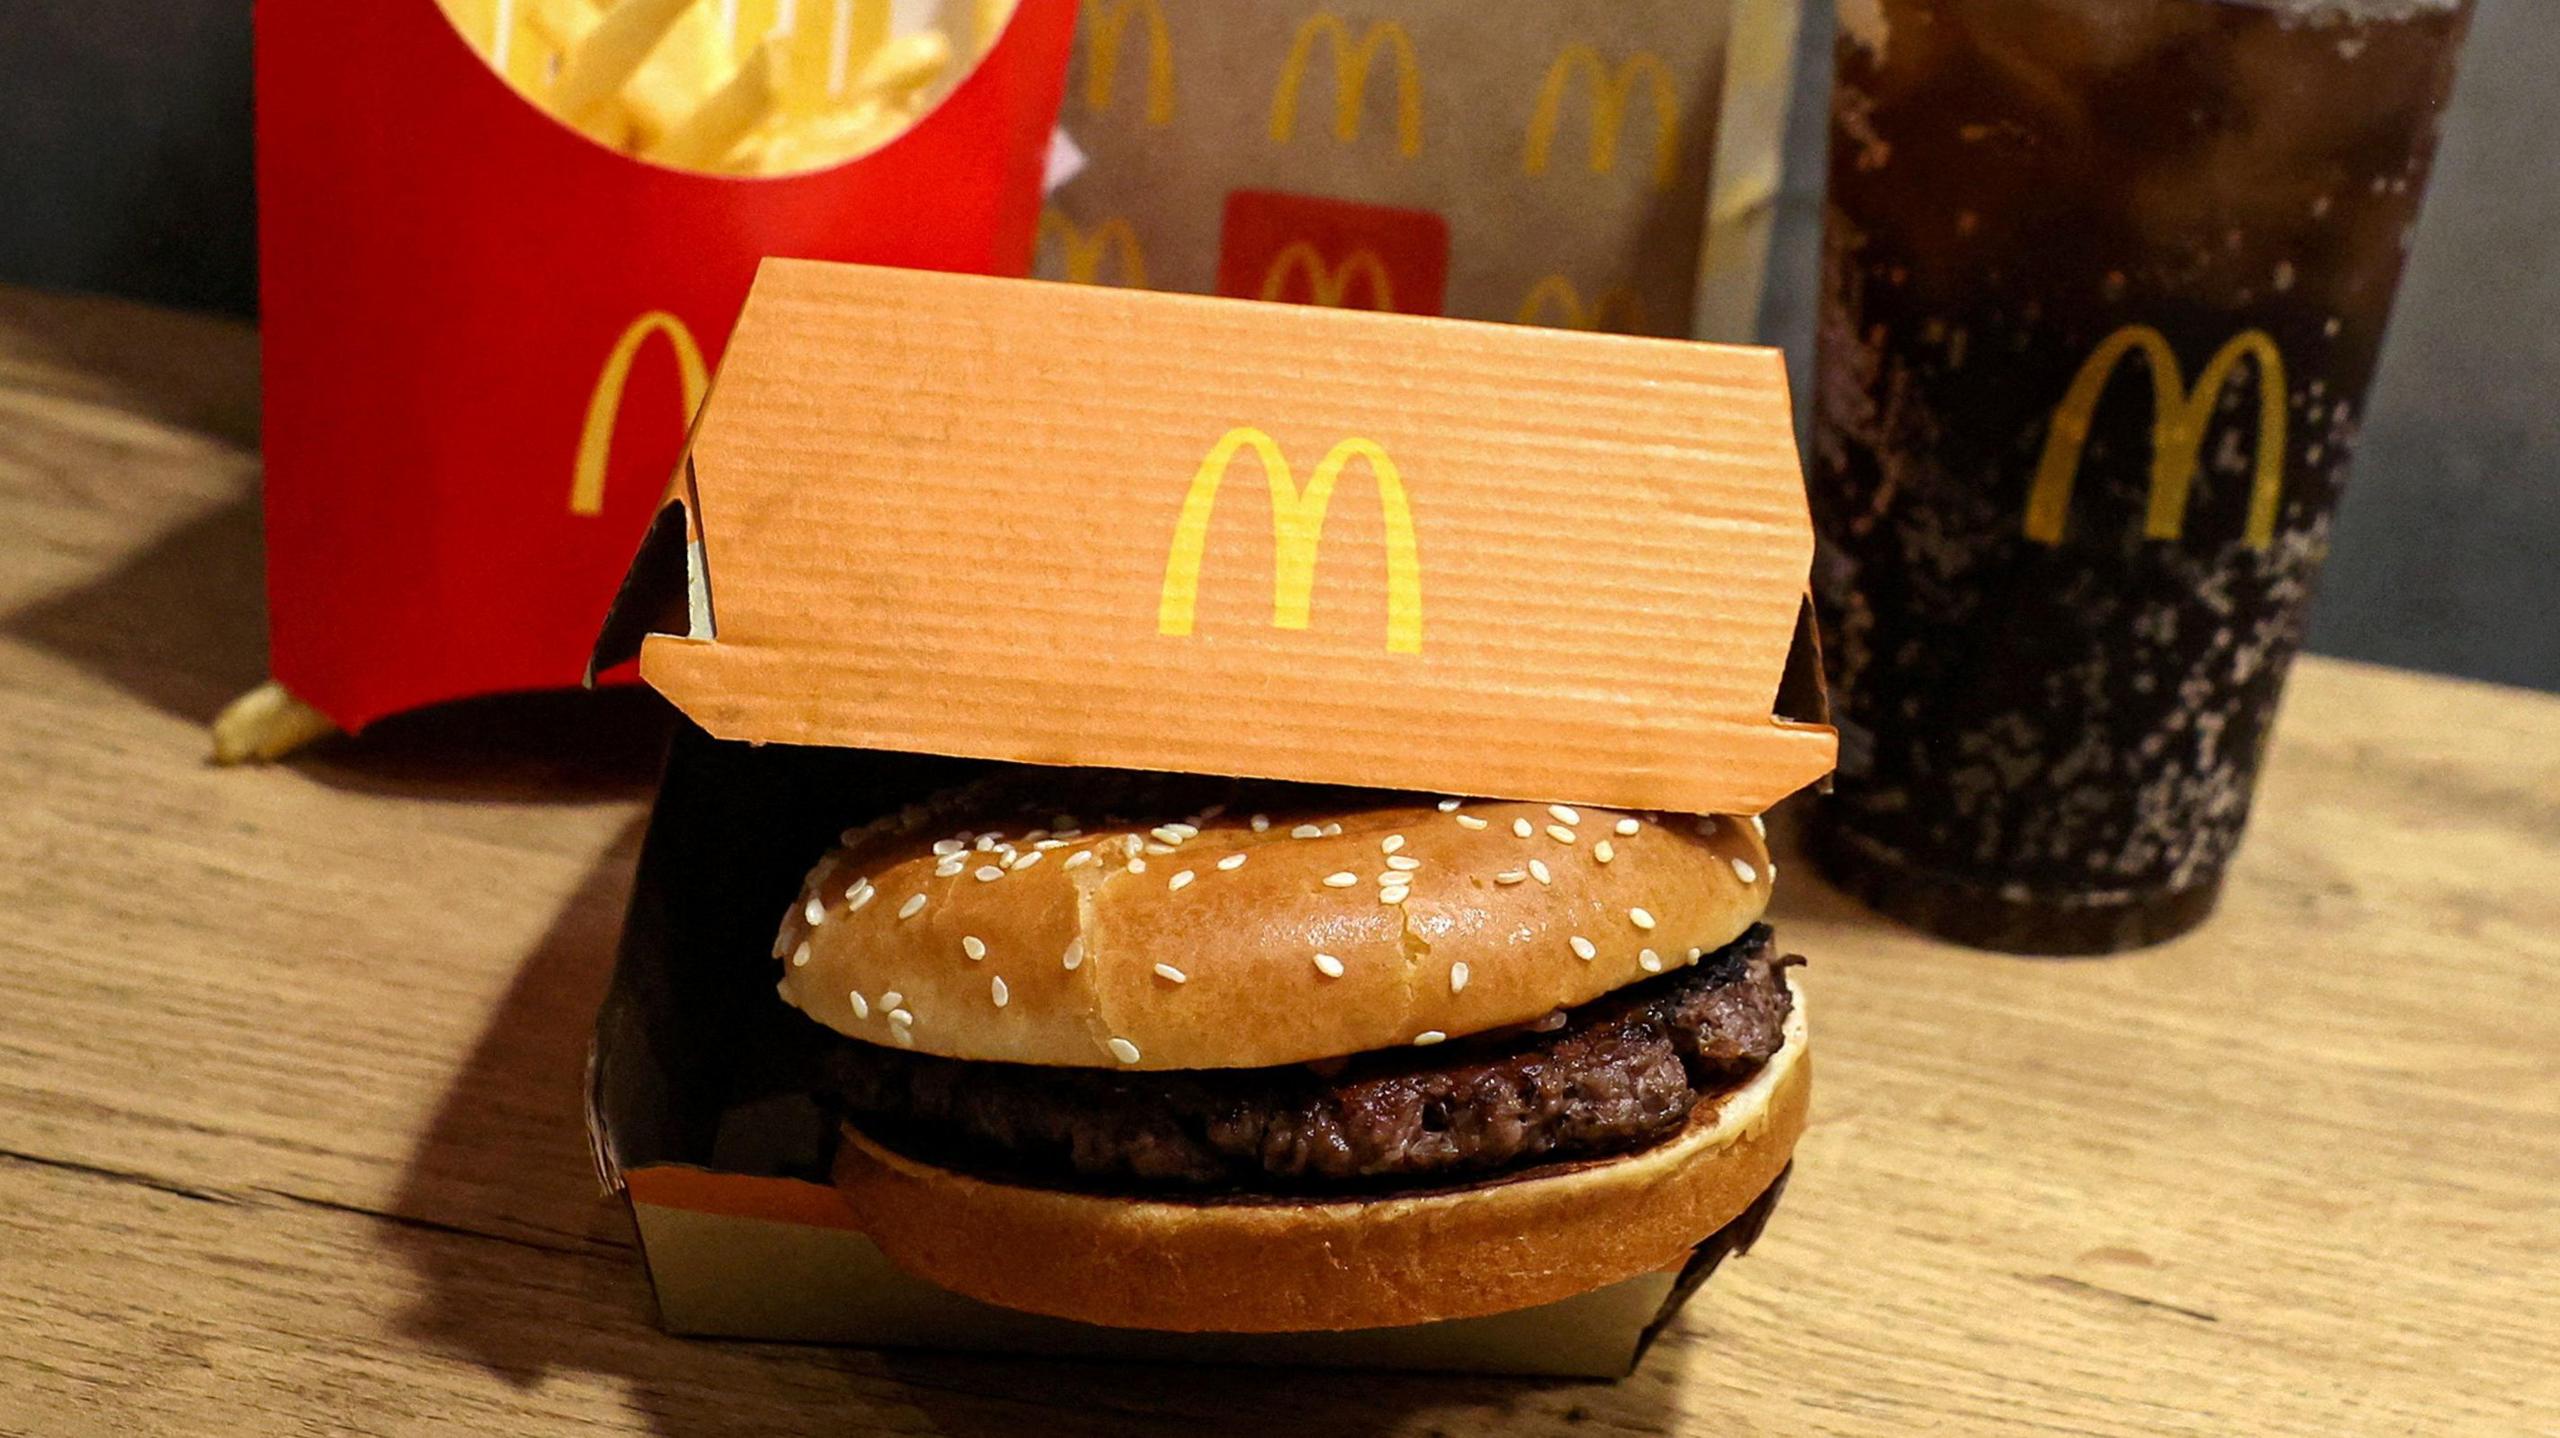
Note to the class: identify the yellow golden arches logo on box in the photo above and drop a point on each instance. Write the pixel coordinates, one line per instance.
(2179, 420)
(1297, 533)
(1618, 308)
(1351, 65)
(1328, 285)
(1081, 252)
(604, 404)
(1610, 91)
(1107, 26)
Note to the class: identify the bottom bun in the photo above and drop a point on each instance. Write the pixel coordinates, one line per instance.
(1279, 1265)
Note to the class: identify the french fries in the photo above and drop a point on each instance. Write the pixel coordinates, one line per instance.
(744, 87)
(266, 724)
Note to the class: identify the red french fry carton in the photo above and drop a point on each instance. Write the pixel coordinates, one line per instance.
(484, 334)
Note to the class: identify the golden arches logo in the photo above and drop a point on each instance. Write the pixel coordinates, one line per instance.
(604, 404)
(1080, 252)
(1327, 285)
(1109, 27)
(1297, 532)
(1610, 91)
(1351, 66)
(2179, 420)
(1617, 308)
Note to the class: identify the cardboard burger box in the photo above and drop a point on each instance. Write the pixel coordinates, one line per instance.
(928, 521)
(483, 333)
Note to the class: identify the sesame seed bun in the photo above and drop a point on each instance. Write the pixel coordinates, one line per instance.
(1282, 1265)
(1204, 952)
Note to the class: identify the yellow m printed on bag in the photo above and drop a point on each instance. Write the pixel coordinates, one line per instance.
(1297, 533)
(1351, 66)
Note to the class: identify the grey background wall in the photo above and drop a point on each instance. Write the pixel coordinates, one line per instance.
(124, 154)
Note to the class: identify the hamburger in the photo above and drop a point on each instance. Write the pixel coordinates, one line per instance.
(1213, 1055)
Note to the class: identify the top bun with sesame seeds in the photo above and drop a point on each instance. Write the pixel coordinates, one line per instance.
(1112, 920)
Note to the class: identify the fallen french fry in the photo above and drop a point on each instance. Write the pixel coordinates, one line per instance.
(266, 724)
(733, 112)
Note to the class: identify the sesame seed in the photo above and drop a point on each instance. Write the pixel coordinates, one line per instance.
(1166, 834)
(800, 955)
(1025, 861)
(815, 911)
(1075, 953)
(1583, 948)
(1046, 845)
(947, 868)
(1428, 1037)
(861, 1005)
(1521, 828)
(1405, 862)
(1261, 822)
(1158, 846)
(1170, 974)
(1130, 844)
(901, 1016)
(1538, 871)
(997, 990)
(1470, 821)
(1511, 876)
(1448, 806)
(1306, 831)
(1341, 880)
(1396, 894)
(1742, 870)
(1707, 825)
(1079, 858)
(1641, 918)
(1564, 813)
(987, 873)
(1458, 977)
(905, 1036)
(1123, 1050)
(1649, 961)
(1696, 954)
(1604, 851)
(973, 946)
(1179, 882)
(1329, 966)
(948, 846)
(892, 999)
(1561, 834)
(1771, 869)
(986, 842)
(1137, 866)
(1188, 830)
(1627, 828)
(1231, 863)
(912, 907)
(1391, 843)
(859, 895)
(1759, 826)
(1333, 831)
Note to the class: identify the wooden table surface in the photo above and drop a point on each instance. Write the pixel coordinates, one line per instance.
(290, 1065)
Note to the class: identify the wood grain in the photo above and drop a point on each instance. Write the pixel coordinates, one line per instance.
(289, 1067)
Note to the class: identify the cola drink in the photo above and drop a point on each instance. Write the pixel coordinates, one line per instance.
(2104, 282)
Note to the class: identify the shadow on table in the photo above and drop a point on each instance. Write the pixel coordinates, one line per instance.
(523, 1271)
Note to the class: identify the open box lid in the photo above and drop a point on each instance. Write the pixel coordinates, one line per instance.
(953, 515)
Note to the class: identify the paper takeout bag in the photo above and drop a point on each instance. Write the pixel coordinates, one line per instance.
(1588, 164)
(484, 334)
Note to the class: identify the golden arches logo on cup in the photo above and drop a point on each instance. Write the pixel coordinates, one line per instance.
(604, 403)
(1106, 27)
(1297, 534)
(1328, 284)
(1352, 62)
(1081, 251)
(1611, 89)
(2180, 419)
(1617, 308)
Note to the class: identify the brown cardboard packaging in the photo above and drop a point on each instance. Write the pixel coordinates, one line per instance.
(928, 521)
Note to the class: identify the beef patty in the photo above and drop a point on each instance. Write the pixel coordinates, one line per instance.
(1615, 1074)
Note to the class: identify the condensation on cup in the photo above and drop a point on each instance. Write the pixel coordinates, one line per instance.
(2104, 285)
